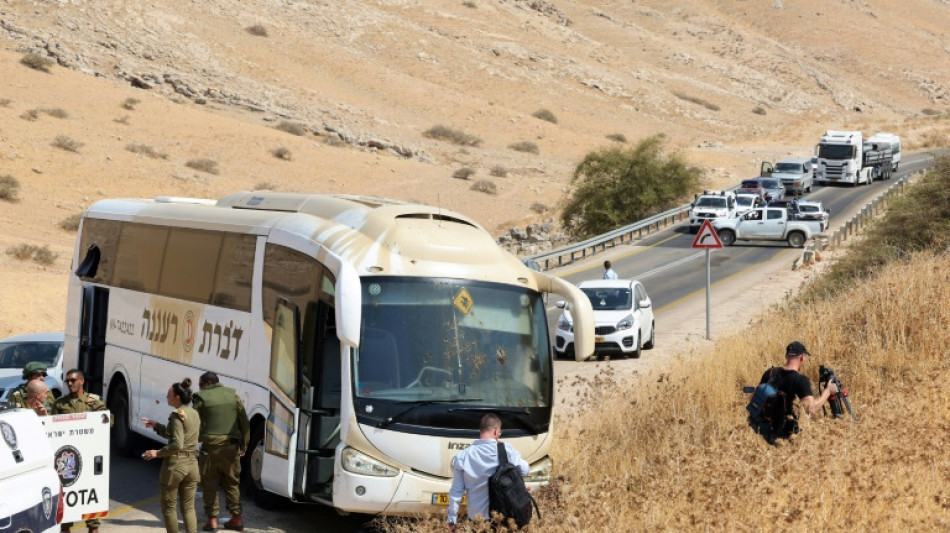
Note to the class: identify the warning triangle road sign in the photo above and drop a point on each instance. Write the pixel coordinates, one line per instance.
(706, 237)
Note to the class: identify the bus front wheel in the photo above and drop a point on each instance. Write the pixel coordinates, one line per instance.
(252, 468)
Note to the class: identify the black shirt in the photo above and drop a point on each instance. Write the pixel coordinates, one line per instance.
(793, 384)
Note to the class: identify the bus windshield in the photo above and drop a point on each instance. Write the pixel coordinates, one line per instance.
(451, 341)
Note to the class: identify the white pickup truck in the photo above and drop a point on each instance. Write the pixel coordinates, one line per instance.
(767, 224)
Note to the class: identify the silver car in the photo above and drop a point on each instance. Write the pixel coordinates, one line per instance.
(16, 352)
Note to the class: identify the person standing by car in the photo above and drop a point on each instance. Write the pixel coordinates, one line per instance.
(78, 401)
(34, 370)
(474, 465)
(224, 434)
(178, 479)
(609, 272)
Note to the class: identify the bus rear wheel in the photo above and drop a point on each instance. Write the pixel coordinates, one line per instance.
(123, 439)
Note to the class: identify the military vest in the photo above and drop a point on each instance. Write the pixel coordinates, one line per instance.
(218, 410)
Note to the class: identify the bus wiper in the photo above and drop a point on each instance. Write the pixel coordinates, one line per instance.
(519, 415)
(386, 421)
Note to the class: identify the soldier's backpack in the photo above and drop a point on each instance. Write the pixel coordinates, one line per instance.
(507, 493)
(768, 410)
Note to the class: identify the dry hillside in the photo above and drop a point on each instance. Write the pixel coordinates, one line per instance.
(142, 89)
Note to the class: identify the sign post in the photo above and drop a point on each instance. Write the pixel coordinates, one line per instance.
(707, 239)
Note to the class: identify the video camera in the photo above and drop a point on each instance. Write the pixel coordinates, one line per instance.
(838, 402)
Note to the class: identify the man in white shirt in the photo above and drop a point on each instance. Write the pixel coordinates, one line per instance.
(474, 465)
(609, 271)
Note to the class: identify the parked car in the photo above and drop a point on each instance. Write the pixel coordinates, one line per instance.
(772, 187)
(812, 210)
(15, 352)
(796, 174)
(746, 201)
(623, 318)
(32, 492)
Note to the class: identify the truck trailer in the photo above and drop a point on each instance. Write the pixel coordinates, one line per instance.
(845, 157)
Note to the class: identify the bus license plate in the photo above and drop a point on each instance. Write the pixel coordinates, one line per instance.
(598, 339)
(442, 498)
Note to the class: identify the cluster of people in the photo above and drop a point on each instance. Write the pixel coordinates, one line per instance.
(216, 419)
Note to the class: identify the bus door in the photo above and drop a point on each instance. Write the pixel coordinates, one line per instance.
(92, 336)
(280, 430)
(319, 402)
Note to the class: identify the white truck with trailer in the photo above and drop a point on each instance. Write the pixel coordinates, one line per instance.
(895, 143)
(844, 157)
(768, 224)
(711, 205)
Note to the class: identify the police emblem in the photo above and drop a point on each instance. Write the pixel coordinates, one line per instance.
(68, 463)
(9, 435)
(47, 502)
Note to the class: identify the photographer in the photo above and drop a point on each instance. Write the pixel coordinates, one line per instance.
(788, 380)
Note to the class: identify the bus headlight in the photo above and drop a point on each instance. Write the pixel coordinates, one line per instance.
(540, 471)
(357, 462)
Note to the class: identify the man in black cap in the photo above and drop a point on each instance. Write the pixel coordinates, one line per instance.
(787, 379)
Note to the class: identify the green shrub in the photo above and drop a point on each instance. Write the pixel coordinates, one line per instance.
(282, 153)
(257, 30)
(544, 114)
(204, 165)
(485, 186)
(129, 103)
(617, 137)
(148, 151)
(39, 254)
(71, 223)
(37, 62)
(444, 133)
(463, 173)
(499, 171)
(9, 188)
(64, 142)
(291, 127)
(525, 146)
(617, 185)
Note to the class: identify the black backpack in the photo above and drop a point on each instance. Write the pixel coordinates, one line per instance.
(768, 410)
(507, 493)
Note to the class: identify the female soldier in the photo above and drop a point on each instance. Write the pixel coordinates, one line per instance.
(179, 476)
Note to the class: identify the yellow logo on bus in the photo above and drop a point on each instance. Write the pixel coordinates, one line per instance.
(463, 301)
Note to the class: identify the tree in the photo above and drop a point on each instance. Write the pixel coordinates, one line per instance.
(617, 186)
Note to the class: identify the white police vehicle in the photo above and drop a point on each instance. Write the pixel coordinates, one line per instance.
(711, 205)
(32, 496)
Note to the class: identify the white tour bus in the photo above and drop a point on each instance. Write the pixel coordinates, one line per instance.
(367, 337)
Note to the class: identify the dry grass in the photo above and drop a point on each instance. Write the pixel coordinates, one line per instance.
(698, 101)
(204, 165)
(674, 452)
(499, 171)
(129, 103)
(27, 252)
(31, 114)
(617, 137)
(9, 188)
(71, 223)
(257, 30)
(485, 186)
(146, 150)
(5, 102)
(445, 133)
(525, 146)
(64, 142)
(282, 153)
(56, 112)
(463, 173)
(37, 62)
(291, 127)
(545, 114)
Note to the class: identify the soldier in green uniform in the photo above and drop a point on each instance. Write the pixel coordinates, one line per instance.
(78, 401)
(31, 371)
(224, 434)
(178, 479)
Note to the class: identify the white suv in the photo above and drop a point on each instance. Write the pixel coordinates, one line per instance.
(623, 318)
(32, 494)
(711, 205)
